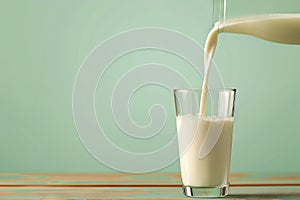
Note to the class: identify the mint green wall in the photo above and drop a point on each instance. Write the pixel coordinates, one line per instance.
(43, 44)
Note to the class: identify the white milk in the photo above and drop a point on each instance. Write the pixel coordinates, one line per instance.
(281, 28)
(213, 169)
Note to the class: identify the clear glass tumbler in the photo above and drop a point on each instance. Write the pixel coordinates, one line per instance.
(205, 140)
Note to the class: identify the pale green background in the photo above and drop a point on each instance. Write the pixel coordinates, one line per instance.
(43, 44)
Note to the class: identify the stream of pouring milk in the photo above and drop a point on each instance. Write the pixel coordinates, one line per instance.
(280, 28)
(204, 163)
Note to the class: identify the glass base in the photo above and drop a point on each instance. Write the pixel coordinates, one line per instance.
(218, 191)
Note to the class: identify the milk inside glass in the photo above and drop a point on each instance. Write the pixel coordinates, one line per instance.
(201, 170)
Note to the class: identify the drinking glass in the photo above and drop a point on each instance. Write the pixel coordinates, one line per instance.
(205, 140)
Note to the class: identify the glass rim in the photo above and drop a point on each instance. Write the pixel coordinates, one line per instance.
(209, 89)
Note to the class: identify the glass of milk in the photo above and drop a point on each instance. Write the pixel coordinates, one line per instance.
(205, 140)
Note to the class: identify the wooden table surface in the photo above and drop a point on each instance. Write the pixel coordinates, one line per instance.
(138, 186)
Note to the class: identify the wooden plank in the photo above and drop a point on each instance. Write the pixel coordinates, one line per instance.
(87, 179)
(138, 186)
(167, 179)
(33, 192)
(92, 193)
